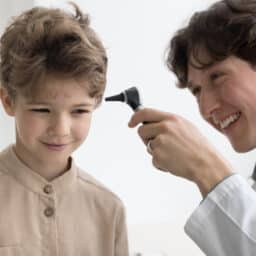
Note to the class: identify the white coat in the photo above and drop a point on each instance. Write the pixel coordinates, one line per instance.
(224, 224)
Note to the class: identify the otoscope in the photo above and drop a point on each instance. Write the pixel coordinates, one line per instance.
(130, 96)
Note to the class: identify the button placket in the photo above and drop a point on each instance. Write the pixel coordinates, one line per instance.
(48, 189)
(49, 211)
(48, 219)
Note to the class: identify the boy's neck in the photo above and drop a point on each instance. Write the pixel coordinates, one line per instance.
(48, 172)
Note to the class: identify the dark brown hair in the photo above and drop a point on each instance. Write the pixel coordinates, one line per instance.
(45, 41)
(227, 28)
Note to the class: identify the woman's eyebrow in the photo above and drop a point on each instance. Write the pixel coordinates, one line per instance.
(191, 85)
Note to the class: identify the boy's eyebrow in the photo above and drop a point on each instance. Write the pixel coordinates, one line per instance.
(48, 103)
(33, 102)
(84, 105)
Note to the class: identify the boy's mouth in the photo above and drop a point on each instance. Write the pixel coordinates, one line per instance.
(56, 147)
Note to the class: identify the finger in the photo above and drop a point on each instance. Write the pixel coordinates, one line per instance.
(147, 132)
(153, 130)
(149, 148)
(157, 165)
(147, 115)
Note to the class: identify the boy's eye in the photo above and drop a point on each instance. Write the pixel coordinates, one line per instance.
(41, 110)
(80, 111)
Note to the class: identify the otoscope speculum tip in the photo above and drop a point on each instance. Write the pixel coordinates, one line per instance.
(118, 97)
(131, 96)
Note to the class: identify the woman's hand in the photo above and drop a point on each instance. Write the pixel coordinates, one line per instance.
(178, 147)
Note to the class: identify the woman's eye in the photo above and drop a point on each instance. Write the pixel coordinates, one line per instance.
(216, 76)
(196, 91)
(40, 110)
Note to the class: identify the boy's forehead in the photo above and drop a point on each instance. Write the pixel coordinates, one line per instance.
(60, 99)
(56, 86)
(62, 92)
(53, 94)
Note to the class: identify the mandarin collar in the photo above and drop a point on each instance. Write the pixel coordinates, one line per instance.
(33, 181)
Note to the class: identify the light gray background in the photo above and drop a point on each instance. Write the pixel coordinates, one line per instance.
(136, 34)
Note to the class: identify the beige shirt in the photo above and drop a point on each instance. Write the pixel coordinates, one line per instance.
(73, 215)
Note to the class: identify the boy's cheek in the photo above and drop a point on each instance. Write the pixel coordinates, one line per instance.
(28, 125)
(82, 130)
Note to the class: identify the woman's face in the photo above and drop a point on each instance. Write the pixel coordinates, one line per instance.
(226, 95)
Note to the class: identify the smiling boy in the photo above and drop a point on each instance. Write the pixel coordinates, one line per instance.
(53, 76)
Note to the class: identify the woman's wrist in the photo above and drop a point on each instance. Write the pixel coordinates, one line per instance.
(210, 172)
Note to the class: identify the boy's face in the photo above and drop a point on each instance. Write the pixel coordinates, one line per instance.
(53, 124)
(226, 95)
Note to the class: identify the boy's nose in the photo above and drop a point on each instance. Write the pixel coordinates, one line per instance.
(60, 127)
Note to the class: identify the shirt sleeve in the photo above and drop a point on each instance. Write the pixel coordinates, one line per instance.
(224, 224)
(121, 241)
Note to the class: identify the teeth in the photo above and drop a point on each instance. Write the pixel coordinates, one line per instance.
(231, 119)
(215, 120)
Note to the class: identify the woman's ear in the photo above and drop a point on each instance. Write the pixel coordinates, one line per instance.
(7, 102)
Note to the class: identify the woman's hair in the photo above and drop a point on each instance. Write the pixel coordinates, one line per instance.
(44, 41)
(227, 28)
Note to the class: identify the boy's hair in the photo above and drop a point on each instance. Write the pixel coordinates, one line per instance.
(44, 41)
(227, 28)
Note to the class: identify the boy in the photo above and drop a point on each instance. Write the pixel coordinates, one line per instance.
(53, 76)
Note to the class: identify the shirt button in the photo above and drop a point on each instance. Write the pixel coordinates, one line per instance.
(48, 212)
(48, 189)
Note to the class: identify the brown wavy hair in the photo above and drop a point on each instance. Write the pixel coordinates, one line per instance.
(45, 41)
(227, 28)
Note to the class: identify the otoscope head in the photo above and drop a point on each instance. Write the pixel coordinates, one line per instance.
(131, 96)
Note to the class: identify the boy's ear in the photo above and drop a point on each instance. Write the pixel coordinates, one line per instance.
(7, 102)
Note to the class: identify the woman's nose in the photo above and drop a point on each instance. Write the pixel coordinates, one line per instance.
(208, 102)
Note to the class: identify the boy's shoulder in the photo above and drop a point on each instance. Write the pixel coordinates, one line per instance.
(96, 187)
(3, 158)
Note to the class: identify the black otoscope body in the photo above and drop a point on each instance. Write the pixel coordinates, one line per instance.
(130, 96)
